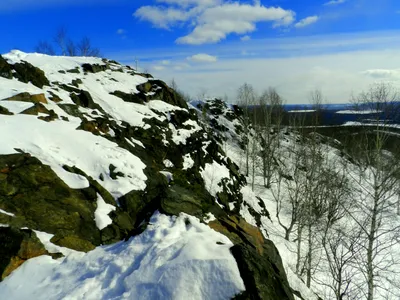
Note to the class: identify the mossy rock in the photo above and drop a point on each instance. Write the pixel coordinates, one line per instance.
(32, 190)
(4, 111)
(26, 72)
(73, 242)
(84, 99)
(94, 68)
(17, 246)
(179, 199)
(5, 68)
(26, 97)
(132, 98)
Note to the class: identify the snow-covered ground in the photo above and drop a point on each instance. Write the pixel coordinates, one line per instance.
(175, 258)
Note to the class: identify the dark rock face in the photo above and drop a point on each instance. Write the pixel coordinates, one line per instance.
(84, 99)
(17, 246)
(258, 260)
(263, 274)
(25, 72)
(42, 201)
(133, 98)
(5, 111)
(5, 69)
(95, 68)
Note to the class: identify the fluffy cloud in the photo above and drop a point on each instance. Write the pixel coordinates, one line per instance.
(306, 21)
(334, 2)
(212, 20)
(389, 74)
(202, 57)
(245, 38)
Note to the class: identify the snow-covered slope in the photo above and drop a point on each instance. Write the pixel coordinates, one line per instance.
(93, 153)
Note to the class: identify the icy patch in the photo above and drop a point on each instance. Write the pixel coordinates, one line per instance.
(101, 214)
(175, 258)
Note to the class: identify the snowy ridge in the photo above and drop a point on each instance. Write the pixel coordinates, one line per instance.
(175, 258)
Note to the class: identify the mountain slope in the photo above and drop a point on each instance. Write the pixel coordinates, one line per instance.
(93, 153)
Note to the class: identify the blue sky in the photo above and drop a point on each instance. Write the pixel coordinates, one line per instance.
(213, 46)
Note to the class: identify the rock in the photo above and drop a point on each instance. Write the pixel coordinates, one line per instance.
(84, 99)
(5, 69)
(179, 199)
(258, 260)
(263, 275)
(95, 68)
(25, 72)
(32, 190)
(133, 98)
(17, 246)
(26, 97)
(73, 242)
(5, 111)
(36, 109)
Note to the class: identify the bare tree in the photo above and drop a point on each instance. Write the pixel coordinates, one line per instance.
(45, 48)
(61, 40)
(269, 125)
(246, 98)
(376, 182)
(85, 48)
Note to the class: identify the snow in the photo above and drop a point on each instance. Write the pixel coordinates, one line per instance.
(92, 154)
(187, 162)
(6, 213)
(16, 106)
(212, 176)
(101, 214)
(175, 258)
(168, 163)
(49, 246)
(358, 112)
(302, 111)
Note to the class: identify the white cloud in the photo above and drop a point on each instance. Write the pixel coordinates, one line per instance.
(165, 62)
(334, 2)
(158, 68)
(202, 57)
(306, 21)
(245, 38)
(389, 74)
(212, 20)
(161, 17)
(121, 31)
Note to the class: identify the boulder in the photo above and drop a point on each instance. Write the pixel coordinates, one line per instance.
(5, 68)
(25, 72)
(26, 97)
(258, 260)
(17, 246)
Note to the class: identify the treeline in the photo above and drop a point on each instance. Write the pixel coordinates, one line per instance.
(337, 200)
(63, 45)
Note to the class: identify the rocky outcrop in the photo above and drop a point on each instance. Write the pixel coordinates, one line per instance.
(258, 260)
(17, 246)
(41, 201)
